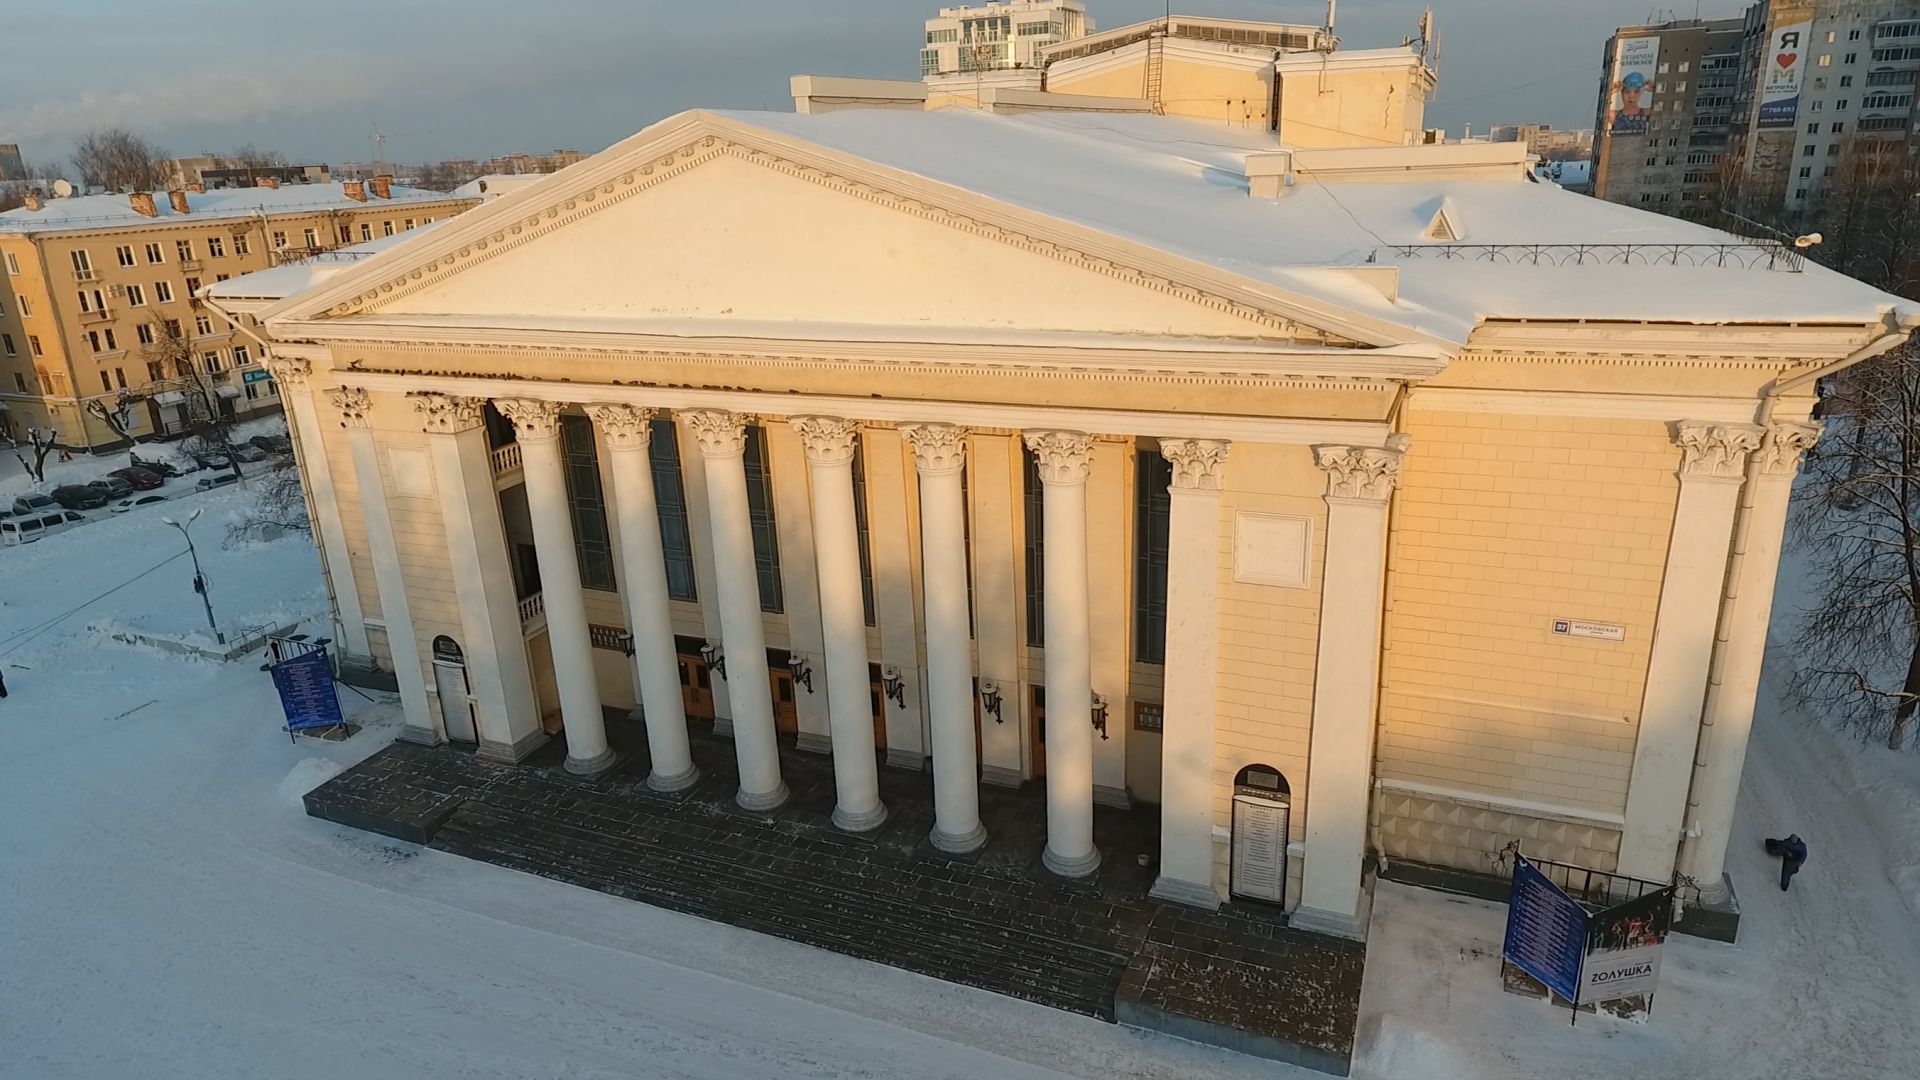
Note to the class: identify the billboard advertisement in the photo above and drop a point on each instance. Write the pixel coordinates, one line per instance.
(1782, 64)
(1623, 949)
(1630, 90)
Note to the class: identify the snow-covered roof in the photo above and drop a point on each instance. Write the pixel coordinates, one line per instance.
(494, 185)
(116, 211)
(1180, 186)
(285, 280)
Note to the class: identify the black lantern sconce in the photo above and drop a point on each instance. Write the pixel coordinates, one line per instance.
(990, 700)
(1100, 716)
(895, 686)
(710, 655)
(801, 670)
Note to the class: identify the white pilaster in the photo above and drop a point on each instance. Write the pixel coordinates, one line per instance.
(1360, 483)
(799, 586)
(624, 431)
(293, 376)
(994, 484)
(538, 425)
(856, 774)
(693, 482)
(1713, 464)
(396, 610)
(722, 437)
(1744, 648)
(495, 641)
(889, 502)
(1064, 457)
(1109, 517)
(939, 454)
(1192, 655)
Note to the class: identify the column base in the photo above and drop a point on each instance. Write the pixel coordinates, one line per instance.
(811, 743)
(1001, 777)
(1331, 923)
(906, 759)
(958, 844)
(1186, 893)
(515, 752)
(723, 727)
(760, 802)
(1715, 916)
(667, 785)
(421, 736)
(593, 766)
(1112, 796)
(862, 822)
(1076, 867)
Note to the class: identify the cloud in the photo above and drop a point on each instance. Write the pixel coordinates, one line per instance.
(199, 98)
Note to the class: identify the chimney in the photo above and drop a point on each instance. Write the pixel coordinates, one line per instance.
(179, 201)
(198, 187)
(383, 187)
(266, 182)
(142, 202)
(33, 200)
(354, 189)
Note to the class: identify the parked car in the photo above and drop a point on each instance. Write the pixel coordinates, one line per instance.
(79, 497)
(113, 487)
(26, 528)
(34, 505)
(147, 500)
(138, 477)
(157, 468)
(248, 452)
(273, 444)
(210, 461)
(215, 481)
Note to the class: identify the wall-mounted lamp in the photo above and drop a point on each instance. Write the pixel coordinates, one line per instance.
(711, 656)
(1100, 715)
(990, 700)
(802, 671)
(895, 686)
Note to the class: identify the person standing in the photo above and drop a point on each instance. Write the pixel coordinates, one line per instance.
(1792, 852)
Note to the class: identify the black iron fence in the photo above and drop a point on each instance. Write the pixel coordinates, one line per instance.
(1594, 889)
(1759, 254)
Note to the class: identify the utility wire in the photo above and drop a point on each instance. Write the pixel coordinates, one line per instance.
(19, 638)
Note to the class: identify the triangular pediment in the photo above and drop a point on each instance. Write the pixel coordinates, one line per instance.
(715, 220)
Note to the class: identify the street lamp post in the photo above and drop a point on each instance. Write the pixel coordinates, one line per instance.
(199, 579)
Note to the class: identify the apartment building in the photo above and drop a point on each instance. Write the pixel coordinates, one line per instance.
(231, 172)
(999, 36)
(12, 166)
(1665, 116)
(98, 297)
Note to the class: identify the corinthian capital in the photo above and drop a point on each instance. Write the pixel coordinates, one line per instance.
(624, 427)
(1715, 451)
(719, 433)
(829, 440)
(1063, 456)
(937, 448)
(289, 371)
(1785, 441)
(1362, 472)
(353, 404)
(533, 420)
(1198, 464)
(445, 414)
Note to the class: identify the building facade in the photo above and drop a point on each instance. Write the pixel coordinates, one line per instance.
(12, 166)
(1441, 542)
(1665, 120)
(98, 297)
(998, 36)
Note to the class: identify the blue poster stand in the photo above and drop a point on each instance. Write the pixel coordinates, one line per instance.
(307, 694)
(1546, 931)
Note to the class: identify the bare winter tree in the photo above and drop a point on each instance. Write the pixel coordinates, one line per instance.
(40, 444)
(249, 157)
(212, 424)
(117, 414)
(279, 504)
(1857, 515)
(118, 160)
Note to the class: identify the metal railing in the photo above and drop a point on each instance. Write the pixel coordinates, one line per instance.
(96, 315)
(506, 458)
(1593, 888)
(1754, 255)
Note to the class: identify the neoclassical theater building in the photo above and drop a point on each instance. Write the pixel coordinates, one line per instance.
(1146, 459)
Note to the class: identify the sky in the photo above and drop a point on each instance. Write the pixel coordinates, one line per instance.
(475, 78)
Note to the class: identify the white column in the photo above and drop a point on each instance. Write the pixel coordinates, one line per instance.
(494, 639)
(353, 404)
(1063, 458)
(1192, 654)
(1109, 520)
(1360, 482)
(856, 774)
(939, 456)
(889, 543)
(722, 437)
(538, 425)
(624, 430)
(1713, 464)
(998, 605)
(1743, 650)
(799, 587)
(294, 378)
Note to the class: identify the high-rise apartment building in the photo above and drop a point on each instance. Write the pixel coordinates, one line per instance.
(12, 167)
(1763, 115)
(999, 36)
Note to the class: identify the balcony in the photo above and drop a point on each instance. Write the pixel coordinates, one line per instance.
(506, 466)
(97, 315)
(533, 614)
(189, 264)
(85, 275)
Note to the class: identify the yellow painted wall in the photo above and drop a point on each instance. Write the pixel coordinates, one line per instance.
(1364, 107)
(1187, 88)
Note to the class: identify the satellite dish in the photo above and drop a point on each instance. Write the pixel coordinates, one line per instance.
(62, 189)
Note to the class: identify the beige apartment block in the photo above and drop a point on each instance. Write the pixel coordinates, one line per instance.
(89, 285)
(1107, 454)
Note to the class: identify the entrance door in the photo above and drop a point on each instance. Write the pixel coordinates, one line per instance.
(1039, 732)
(786, 711)
(696, 686)
(877, 700)
(456, 697)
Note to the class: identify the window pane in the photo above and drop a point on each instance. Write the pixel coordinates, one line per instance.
(589, 505)
(1153, 475)
(670, 497)
(766, 542)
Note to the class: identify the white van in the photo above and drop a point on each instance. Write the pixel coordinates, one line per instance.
(15, 531)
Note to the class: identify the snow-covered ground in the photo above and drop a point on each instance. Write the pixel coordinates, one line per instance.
(167, 910)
